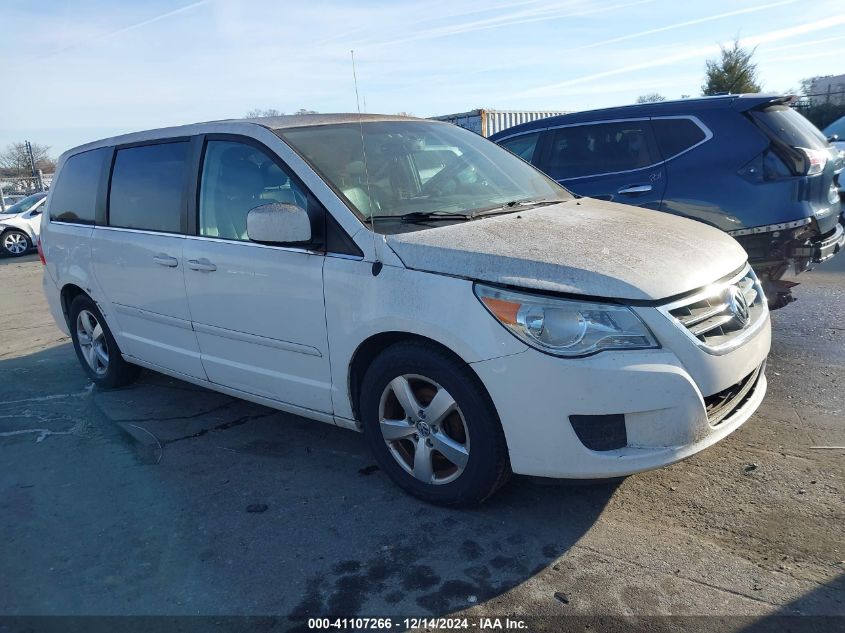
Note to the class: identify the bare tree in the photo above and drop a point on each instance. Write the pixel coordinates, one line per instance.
(16, 168)
(733, 73)
(651, 97)
(16, 156)
(260, 112)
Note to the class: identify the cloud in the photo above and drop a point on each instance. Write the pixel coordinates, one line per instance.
(126, 29)
(679, 25)
(772, 36)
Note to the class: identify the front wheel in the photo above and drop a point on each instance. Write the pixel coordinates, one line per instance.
(95, 346)
(16, 243)
(432, 426)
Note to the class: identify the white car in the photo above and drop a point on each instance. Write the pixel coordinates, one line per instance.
(481, 322)
(20, 226)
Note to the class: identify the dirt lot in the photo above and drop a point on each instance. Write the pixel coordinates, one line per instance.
(138, 501)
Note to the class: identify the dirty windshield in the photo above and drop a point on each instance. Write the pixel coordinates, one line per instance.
(419, 172)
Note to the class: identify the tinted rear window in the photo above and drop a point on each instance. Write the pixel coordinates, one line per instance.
(146, 187)
(75, 194)
(601, 148)
(675, 135)
(790, 127)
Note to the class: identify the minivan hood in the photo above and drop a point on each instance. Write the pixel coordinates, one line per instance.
(583, 247)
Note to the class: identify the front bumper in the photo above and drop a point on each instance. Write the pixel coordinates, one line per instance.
(664, 398)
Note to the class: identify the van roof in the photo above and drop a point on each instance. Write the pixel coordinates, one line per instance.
(274, 123)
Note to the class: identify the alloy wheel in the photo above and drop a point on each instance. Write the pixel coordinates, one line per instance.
(15, 243)
(424, 429)
(92, 342)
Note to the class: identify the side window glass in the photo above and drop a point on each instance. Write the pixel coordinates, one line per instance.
(75, 193)
(236, 178)
(586, 150)
(146, 187)
(675, 135)
(522, 146)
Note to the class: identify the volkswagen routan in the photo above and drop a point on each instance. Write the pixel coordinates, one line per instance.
(410, 280)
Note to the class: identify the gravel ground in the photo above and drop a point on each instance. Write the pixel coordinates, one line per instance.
(164, 498)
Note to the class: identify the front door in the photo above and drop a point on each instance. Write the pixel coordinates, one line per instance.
(257, 310)
(615, 160)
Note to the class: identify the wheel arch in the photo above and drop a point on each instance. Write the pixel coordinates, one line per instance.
(371, 347)
(69, 292)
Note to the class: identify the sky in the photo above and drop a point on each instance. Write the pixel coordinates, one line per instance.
(79, 70)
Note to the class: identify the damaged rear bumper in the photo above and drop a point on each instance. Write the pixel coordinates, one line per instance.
(824, 248)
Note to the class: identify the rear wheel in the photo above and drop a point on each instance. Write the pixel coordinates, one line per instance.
(15, 243)
(432, 426)
(95, 346)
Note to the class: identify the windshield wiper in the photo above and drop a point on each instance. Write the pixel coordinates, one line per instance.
(424, 216)
(513, 205)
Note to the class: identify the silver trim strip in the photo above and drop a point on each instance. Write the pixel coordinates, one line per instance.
(705, 293)
(256, 339)
(152, 316)
(707, 136)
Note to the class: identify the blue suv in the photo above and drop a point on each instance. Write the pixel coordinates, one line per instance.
(747, 164)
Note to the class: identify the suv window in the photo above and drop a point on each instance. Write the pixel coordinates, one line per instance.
(75, 194)
(146, 187)
(674, 136)
(236, 178)
(601, 148)
(790, 127)
(523, 146)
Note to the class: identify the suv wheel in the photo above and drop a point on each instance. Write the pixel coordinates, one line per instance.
(16, 243)
(432, 426)
(96, 348)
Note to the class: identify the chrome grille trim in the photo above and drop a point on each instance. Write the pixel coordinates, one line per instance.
(708, 319)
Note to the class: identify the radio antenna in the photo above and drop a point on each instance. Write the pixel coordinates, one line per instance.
(377, 265)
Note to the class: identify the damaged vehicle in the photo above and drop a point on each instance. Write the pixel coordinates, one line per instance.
(749, 165)
(411, 280)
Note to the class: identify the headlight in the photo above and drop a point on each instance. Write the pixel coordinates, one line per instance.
(563, 327)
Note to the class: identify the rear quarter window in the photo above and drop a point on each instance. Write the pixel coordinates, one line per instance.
(676, 135)
(147, 187)
(75, 193)
(790, 127)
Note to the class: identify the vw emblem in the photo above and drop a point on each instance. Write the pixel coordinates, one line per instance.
(423, 429)
(738, 306)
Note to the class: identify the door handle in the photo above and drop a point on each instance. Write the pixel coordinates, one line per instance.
(166, 260)
(635, 189)
(202, 265)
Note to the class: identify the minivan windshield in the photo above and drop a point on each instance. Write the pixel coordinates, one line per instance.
(24, 205)
(420, 172)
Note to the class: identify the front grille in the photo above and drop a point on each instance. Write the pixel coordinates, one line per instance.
(720, 405)
(717, 316)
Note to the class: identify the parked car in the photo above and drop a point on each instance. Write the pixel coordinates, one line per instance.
(19, 231)
(23, 205)
(12, 199)
(747, 164)
(483, 322)
(835, 134)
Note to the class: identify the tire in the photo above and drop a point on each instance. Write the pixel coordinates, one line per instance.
(15, 243)
(96, 348)
(470, 433)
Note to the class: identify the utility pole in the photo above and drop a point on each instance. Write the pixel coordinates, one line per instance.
(35, 179)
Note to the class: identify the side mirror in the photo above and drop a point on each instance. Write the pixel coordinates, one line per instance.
(832, 138)
(278, 223)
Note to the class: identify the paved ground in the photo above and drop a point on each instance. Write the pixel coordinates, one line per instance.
(135, 501)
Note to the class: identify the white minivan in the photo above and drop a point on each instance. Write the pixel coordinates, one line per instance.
(411, 280)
